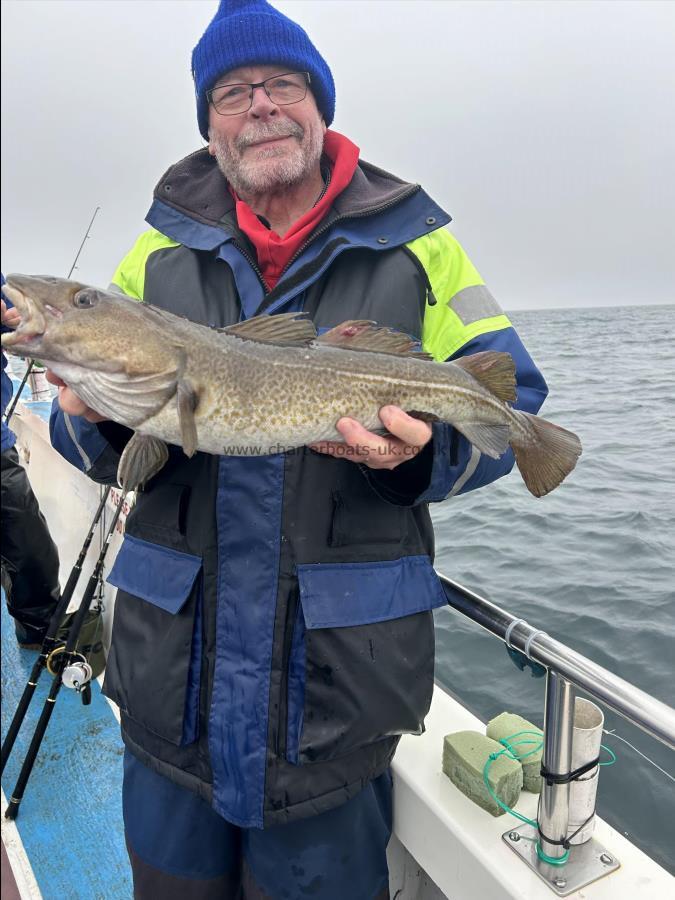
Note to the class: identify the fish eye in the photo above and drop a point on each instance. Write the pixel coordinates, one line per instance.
(84, 300)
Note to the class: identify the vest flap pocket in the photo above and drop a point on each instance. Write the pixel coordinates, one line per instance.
(361, 662)
(154, 668)
(344, 594)
(160, 575)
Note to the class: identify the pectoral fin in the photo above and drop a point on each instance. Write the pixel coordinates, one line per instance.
(187, 401)
(143, 457)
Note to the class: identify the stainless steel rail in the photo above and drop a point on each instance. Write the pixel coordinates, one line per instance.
(648, 713)
(566, 669)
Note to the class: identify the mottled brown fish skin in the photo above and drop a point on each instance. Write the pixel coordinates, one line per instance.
(134, 363)
(258, 396)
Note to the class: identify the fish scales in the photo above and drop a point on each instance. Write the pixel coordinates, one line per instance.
(288, 396)
(265, 385)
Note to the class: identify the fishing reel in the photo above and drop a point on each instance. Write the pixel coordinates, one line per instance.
(76, 676)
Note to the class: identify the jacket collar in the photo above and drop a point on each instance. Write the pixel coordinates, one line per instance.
(195, 187)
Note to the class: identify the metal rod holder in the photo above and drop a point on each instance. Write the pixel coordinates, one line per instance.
(557, 758)
(587, 862)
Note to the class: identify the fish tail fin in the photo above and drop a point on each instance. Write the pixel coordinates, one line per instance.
(549, 459)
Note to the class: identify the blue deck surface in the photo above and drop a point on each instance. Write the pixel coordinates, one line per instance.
(41, 408)
(70, 820)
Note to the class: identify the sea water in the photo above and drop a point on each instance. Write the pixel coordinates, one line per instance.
(593, 563)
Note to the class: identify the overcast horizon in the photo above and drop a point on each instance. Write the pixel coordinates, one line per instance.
(542, 127)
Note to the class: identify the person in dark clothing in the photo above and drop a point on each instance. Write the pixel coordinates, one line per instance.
(30, 560)
(273, 634)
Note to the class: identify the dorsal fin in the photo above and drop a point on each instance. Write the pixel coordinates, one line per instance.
(294, 329)
(493, 369)
(362, 334)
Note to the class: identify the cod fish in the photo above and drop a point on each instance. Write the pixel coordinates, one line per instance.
(265, 385)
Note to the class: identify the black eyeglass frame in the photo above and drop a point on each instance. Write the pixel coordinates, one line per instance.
(252, 87)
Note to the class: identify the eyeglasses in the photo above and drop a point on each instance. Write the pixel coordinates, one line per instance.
(284, 89)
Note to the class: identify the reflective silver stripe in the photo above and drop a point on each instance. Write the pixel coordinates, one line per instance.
(116, 288)
(80, 450)
(467, 473)
(474, 303)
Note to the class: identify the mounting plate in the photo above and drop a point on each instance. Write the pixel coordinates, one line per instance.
(587, 862)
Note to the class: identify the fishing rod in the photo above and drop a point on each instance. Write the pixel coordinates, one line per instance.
(50, 640)
(29, 367)
(72, 670)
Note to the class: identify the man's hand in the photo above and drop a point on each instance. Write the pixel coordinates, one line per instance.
(69, 401)
(407, 437)
(10, 317)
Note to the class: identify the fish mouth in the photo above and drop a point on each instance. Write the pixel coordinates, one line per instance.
(34, 320)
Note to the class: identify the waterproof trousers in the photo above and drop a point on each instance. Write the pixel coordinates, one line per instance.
(180, 849)
(30, 560)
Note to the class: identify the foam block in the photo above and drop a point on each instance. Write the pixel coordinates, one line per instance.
(507, 724)
(464, 756)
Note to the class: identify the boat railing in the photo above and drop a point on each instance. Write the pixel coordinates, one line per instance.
(566, 670)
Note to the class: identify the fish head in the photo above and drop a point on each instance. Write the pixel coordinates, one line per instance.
(65, 323)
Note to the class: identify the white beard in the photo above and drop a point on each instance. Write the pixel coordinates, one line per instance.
(272, 168)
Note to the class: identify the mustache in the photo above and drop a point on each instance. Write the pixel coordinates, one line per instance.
(266, 132)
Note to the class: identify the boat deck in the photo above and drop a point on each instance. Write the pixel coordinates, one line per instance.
(69, 828)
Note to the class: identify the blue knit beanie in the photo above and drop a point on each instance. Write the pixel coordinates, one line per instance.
(251, 32)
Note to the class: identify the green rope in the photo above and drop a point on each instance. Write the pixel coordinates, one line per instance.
(512, 753)
(552, 860)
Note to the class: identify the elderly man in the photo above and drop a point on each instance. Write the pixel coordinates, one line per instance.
(273, 633)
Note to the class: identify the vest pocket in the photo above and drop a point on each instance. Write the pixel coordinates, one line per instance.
(360, 518)
(361, 663)
(154, 666)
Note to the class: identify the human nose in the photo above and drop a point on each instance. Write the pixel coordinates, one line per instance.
(261, 105)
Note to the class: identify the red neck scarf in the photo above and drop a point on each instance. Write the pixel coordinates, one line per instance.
(274, 251)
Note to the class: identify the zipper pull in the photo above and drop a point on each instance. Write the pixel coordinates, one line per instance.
(431, 300)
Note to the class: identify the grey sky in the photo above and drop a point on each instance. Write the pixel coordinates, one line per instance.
(545, 128)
